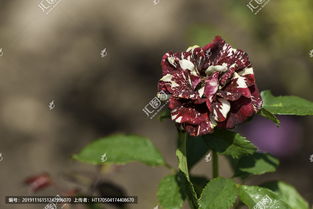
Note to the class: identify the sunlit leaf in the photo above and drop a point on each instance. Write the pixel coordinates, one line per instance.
(268, 115)
(169, 193)
(229, 143)
(286, 105)
(255, 197)
(288, 194)
(219, 193)
(121, 149)
(257, 164)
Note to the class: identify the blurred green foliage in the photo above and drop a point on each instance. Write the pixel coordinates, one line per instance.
(279, 37)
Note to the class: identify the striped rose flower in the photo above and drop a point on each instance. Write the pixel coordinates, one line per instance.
(210, 86)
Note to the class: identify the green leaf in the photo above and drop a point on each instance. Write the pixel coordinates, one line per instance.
(268, 115)
(121, 149)
(166, 114)
(182, 163)
(288, 194)
(196, 149)
(219, 193)
(184, 179)
(286, 105)
(229, 143)
(257, 164)
(169, 193)
(199, 182)
(256, 197)
(183, 167)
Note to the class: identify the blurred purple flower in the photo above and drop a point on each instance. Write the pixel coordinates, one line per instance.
(280, 141)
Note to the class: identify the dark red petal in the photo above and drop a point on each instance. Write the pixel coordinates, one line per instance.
(240, 111)
(183, 111)
(201, 129)
(235, 89)
(198, 57)
(167, 67)
(248, 74)
(180, 85)
(39, 182)
(194, 118)
(230, 96)
(211, 86)
(256, 98)
(191, 129)
(220, 109)
(218, 53)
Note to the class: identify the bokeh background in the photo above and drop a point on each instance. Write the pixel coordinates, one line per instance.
(57, 57)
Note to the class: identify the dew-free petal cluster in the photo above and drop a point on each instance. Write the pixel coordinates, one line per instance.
(210, 86)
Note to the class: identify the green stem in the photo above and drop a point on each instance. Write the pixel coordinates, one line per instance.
(182, 141)
(183, 166)
(170, 167)
(215, 164)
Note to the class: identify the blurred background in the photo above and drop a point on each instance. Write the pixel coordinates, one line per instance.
(57, 57)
